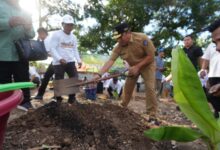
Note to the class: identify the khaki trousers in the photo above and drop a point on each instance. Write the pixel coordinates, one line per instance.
(148, 75)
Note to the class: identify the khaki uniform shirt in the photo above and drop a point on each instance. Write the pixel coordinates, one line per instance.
(137, 49)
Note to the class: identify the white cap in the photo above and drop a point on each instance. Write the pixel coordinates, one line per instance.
(67, 19)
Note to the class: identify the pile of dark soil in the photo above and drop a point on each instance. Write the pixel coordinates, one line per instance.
(79, 127)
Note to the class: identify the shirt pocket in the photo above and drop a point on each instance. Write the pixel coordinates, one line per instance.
(124, 55)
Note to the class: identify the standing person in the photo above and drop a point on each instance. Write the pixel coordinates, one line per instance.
(64, 52)
(138, 50)
(43, 36)
(15, 24)
(159, 70)
(211, 61)
(193, 52)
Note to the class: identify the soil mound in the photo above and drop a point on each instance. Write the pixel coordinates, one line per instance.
(78, 127)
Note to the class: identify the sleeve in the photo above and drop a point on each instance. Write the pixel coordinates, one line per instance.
(19, 32)
(199, 52)
(75, 51)
(47, 44)
(206, 54)
(148, 46)
(54, 41)
(115, 53)
(16, 32)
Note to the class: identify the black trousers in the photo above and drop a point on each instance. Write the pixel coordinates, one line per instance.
(48, 74)
(99, 88)
(214, 100)
(71, 71)
(15, 72)
(138, 87)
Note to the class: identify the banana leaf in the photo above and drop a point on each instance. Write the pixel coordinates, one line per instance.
(190, 96)
(180, 134)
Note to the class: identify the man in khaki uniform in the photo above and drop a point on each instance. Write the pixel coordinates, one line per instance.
(138, 50)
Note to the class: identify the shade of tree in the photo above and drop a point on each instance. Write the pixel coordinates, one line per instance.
(171, 18)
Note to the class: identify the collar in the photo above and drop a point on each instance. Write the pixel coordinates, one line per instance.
(189, 47)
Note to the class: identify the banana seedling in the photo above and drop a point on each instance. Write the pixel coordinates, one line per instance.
(190, 97)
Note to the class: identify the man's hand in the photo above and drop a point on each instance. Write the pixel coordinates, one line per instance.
(62, 61)
(96, 77)
(79, 65)
(203, 73)
(133, 71)
(16, 21)
(215, 90)
(162, 69)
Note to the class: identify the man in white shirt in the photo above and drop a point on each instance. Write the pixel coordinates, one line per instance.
(43, 36)
(106, 82)
(34, 75)
(212, 59)
(115, 86)
(64, 52)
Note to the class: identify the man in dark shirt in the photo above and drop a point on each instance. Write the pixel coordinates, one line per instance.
(193, 52)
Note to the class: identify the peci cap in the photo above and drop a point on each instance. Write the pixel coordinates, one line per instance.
(67, 19)
(119, 29)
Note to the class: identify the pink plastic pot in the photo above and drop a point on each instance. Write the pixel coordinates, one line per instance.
(8, 101)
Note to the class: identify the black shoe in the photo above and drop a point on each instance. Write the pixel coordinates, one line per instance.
(216, 114)
(26, 106)
(39, 97)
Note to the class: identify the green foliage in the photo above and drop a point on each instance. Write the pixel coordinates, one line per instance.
(61, 7)
(180, 134)
(190, 96)
(193, 104)
(168, 17)
(100, 60)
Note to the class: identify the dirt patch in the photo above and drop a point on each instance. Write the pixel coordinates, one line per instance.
(93, 125)
(79, 126)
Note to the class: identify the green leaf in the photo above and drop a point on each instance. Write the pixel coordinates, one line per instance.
(15, 86)
(180, 134)
(190, 96)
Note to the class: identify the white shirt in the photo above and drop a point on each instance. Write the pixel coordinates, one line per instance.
(213, 57)
(105, 82)
(33, 72)
(117, 86)
(47, 43)
(140, 79)
(64, 46)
